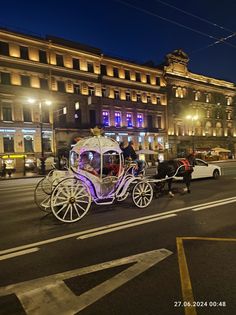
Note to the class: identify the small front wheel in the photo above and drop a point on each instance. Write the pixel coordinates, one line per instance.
(142, 194)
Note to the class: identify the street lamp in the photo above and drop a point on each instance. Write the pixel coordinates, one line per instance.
(40, 103)
(192, 118)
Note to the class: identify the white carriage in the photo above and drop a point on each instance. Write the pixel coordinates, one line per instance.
(98, 174)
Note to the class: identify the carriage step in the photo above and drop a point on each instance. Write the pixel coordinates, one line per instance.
(104, 201)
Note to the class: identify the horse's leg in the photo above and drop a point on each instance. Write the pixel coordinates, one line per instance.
(169, 181)
(187, 181)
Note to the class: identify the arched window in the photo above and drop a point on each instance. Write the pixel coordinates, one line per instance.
(208, 128)
(219, 129)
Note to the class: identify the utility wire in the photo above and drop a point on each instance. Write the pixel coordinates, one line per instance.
(223, 39)
(213, 44)
(203, 20)
(195, 16)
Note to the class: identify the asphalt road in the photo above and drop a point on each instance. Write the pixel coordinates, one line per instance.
(177, 253)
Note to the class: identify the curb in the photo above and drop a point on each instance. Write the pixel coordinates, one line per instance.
(21, 177)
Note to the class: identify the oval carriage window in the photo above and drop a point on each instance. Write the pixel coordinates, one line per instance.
(111, 163)
(74, 160)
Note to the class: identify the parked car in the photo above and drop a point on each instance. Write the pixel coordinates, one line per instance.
(203, 169)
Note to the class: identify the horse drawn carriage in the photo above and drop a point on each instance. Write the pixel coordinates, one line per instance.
(97, 173)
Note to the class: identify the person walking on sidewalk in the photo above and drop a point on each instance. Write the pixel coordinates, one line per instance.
(4, 169)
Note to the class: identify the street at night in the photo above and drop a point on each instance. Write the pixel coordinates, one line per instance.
(120, 259)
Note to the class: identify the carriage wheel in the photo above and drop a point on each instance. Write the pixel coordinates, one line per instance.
(142, 194)
(70, 200)
(42, 196)
(47, 185)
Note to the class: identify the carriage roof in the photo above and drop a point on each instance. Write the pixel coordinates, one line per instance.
(98, 144)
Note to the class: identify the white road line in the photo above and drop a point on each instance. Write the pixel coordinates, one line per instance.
(19, 253)
(77, 234)
(50, 295)
(214, 205)
(125, 226)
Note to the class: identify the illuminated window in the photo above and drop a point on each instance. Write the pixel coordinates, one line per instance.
(179, 92)
(208, 98)
(105, 118)
(229, 115)
(117, 119)
(129, 120)
(197, 96)
(140, 120)
(229, 100)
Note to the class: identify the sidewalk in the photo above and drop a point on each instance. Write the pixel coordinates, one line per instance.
(21, 176)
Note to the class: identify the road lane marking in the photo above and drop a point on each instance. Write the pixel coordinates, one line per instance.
(125, 226)
(19, 253)
(202, 238)
(214, 205)
(50, 295)
(187, 292)
(186, 286)
(77, 234)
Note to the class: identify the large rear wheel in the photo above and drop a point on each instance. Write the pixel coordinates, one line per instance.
(70, 200)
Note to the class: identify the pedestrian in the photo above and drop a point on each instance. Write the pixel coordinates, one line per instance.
(4, 169)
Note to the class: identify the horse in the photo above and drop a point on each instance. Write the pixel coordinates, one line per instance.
(178, 167)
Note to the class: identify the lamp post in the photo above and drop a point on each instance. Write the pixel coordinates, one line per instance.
(40, 104)
(192, 118)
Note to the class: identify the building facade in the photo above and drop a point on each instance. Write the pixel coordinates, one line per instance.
(201, 110)
(52, 91)
(85, 88)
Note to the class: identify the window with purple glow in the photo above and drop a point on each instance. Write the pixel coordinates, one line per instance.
(117, 119)
(140, 120)
(105, 118)
(129, 120)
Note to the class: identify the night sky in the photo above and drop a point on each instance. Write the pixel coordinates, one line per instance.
(137, 30)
